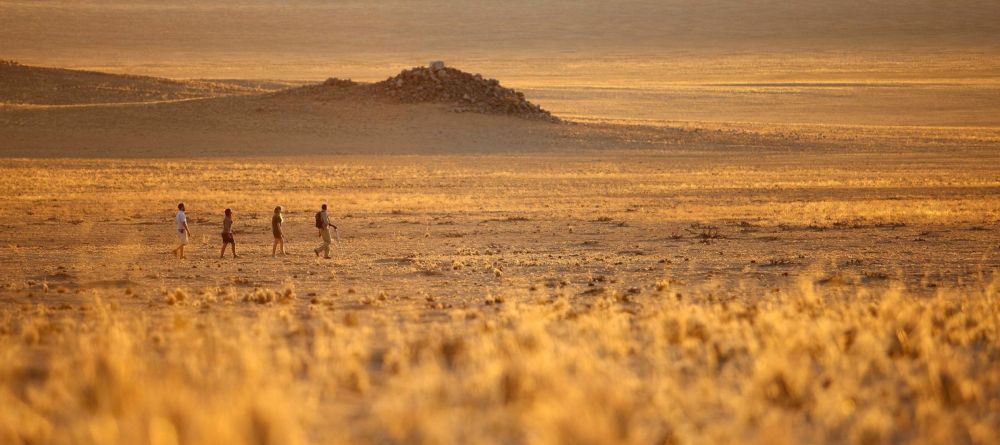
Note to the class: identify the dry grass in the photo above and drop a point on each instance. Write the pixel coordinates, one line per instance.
(668, 365)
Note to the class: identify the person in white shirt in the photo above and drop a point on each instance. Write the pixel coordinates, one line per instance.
(181, 227)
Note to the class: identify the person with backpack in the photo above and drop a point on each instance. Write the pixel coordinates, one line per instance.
(323, 224)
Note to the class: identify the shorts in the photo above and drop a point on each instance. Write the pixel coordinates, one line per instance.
(277, 234)
(182, 236)
(228, 238)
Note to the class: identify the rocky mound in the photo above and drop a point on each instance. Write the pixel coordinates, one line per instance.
(339, 83)
(438, 84)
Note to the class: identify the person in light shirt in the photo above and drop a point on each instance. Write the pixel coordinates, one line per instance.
(279, 238)
(227, 234)
(181, 227)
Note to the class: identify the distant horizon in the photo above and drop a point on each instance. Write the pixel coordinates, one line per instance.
(235, 37)
(638, 60)
(683, 67)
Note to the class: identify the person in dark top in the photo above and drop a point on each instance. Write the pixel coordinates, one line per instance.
(227, 234)
(279, 238)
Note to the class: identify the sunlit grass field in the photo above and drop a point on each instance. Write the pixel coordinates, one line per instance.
(668, 297)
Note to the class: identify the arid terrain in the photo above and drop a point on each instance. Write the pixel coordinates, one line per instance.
(497, 277)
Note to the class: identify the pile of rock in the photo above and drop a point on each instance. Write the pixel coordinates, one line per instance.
(468, 92)
(339, 83)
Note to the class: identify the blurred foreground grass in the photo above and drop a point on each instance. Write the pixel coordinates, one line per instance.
(663, 364)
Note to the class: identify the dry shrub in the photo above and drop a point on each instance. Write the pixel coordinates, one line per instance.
(268, 296)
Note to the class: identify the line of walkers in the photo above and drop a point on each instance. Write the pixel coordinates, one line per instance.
(322, 223)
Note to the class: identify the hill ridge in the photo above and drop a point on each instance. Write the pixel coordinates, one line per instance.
(33, 85)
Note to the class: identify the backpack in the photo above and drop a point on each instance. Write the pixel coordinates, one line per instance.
(319, 220)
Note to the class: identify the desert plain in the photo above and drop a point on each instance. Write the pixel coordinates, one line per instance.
(495, 279)
(735, 247)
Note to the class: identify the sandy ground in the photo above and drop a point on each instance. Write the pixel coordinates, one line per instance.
(430, 196)
(446, 224)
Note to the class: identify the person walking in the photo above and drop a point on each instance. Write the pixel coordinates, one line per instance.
(181, 227)
(227, 234)
(323, 224)
(279, 238)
